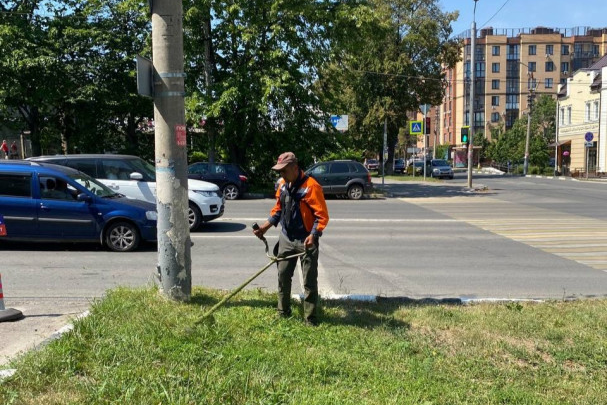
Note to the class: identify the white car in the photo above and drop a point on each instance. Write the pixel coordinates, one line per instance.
(136, 178)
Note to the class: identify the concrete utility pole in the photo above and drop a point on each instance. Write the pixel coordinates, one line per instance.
(472, 78)
(174, 257)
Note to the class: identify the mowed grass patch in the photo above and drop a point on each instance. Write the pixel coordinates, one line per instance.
(137, 347)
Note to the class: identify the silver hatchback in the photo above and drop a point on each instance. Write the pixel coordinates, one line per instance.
(440, 168)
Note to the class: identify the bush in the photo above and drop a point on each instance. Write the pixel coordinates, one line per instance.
(198, 157)
(548, 171)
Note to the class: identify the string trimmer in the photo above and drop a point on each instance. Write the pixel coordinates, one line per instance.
(273, 259)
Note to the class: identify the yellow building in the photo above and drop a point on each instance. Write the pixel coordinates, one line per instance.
(578, 131)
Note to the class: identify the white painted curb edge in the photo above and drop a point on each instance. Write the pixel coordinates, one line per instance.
(6, 373)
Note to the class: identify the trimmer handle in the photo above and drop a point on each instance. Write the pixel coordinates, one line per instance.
(255, 227)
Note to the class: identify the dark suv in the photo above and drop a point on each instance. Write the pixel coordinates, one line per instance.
(342, 177)
(230, 178)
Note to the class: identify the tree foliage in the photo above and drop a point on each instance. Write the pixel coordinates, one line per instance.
(393, 62)
(510, 146)
(263, 76)
(69, 73)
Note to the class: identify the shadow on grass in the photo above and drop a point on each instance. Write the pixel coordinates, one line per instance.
(362, 314)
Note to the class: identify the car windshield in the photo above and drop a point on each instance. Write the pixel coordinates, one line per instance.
(93, 185)
(439, 163)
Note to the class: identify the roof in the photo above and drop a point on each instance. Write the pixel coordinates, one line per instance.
(26, 163)
(83, 156)
(563, 91)
(596, 84)
(598, 65)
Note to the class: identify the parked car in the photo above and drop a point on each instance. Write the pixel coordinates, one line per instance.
(342, 177)
(230, 177)
(440, 168)
(47, 202)
(136, 178)
(399, 166)
(371, 164)
(418, 165)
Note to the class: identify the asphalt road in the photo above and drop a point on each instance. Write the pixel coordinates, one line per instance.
(523, 238)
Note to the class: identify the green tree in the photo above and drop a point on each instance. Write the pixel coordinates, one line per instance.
(69, 73)
(257, 97)
(392, 63)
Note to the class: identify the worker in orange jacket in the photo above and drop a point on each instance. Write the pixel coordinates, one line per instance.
(302, 211)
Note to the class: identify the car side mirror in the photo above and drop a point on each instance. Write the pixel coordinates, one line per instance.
(84, 198)
(136, 176)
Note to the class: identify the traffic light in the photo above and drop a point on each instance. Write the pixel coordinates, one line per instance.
(465, 135)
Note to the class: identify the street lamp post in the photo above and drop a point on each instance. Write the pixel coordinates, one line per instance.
(472, 77)
(530, 98)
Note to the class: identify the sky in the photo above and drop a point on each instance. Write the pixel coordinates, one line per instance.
(528, 13)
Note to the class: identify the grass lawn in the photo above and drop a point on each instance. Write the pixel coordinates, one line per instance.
(138, 348)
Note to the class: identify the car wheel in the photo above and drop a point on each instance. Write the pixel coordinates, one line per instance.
(194, 216)
(451, 177)
(231, 192)
(122, 237)
(355, 192)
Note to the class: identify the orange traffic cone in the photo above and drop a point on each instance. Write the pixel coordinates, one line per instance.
(9, 314)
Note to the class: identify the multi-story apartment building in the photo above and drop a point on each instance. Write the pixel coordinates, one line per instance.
(509, 65)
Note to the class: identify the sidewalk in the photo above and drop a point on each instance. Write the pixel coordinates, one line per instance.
(43, 317)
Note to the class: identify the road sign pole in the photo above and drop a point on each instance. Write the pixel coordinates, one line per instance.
(383, 152)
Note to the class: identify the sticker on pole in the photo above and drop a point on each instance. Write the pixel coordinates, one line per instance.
(2, 226)
(180, 135)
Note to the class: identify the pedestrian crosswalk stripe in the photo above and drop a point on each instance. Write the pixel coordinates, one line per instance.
(572, 237)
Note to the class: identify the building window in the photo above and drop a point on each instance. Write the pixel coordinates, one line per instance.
(495, 67)
(495, 51)
(548, 83)
(563, 81)
(562, 116)
(587, 113)
(512, 86)
(495, 101)
(479, 119)
(513, 52)
(568, 115)
(596, 110)
(550, 66)
(495, 84)
(495, 117)
(565, 67)
(531, 67)
(549, 49)
(480, 69)
(531, 83)
(532, 49)
(595, 50)
(511, 101)
(564, 49)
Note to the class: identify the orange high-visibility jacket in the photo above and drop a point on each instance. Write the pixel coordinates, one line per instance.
(308, 213)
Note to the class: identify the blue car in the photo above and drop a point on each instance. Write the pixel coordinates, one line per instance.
(47, 202)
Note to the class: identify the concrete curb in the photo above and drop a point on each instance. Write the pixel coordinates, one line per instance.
(416, 301)
(7, 373)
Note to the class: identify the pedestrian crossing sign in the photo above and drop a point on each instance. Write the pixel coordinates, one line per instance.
(415, 128)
